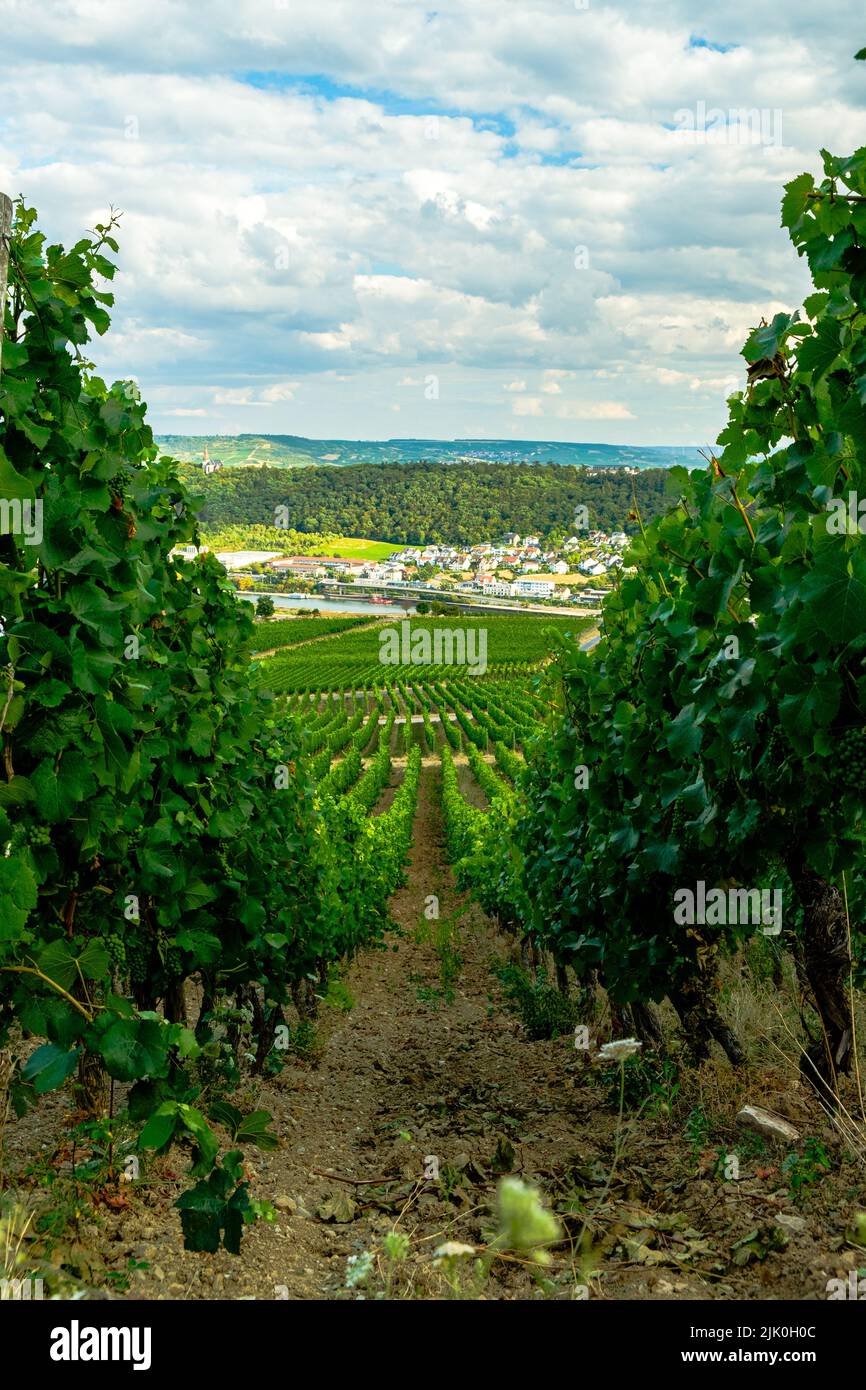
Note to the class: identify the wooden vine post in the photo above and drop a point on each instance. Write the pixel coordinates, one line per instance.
(5, 233)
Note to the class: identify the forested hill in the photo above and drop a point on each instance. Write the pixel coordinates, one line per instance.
(294, 451)
(418, 503)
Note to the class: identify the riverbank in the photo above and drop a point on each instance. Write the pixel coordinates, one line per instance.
(342, 607)
(346, 607)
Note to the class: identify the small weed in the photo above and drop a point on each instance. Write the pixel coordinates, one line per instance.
(697, 1131)
(395, 1249)
(762, 957)
(544, 1010)
(303, 1039)
(751, 1145)
(450, 959)
(450, 1178)
(118, 1279)
(443, 935)
(299, 1040)
(648, 1082)
(805, 1169)
(427, 994)
(338, 995)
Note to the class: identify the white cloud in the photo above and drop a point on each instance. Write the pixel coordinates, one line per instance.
(252, 395)
(594, 410)
(667, 376)
(298, 246)
(280, 391)
(551, 385)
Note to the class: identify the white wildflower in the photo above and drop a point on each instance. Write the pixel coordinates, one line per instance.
(358, 1269)
(451, 1249)
(618, 1050)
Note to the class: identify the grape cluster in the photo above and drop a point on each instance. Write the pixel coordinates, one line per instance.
(774, 754)
(39, 835)
(138, 961)
(117, 951)
(170, 955)
(678, 822)
(777, 743)
(851, 758)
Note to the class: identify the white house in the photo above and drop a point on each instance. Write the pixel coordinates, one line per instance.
(534, 588)
(592, 567)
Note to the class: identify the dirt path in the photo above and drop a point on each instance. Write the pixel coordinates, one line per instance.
(402, 1062)
(397, 1081)
(427, 1070)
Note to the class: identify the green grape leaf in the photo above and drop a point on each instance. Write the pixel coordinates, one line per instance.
(49, 1066)
(135, 1048)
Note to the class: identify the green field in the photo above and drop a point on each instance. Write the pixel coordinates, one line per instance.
(499, 644)
(358, 548)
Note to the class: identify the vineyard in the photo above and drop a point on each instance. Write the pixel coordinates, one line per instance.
(503, 645)
(291, 632)
(467, 957)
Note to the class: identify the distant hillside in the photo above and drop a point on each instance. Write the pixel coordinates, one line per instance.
(293, 451)
(422, 502)
(237, 451)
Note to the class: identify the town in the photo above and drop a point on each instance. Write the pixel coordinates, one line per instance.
(577, 571)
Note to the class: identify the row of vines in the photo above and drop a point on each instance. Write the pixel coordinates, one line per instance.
(715, 740)
(159, 815)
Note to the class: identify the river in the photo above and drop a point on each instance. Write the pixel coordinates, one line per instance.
(334, 605)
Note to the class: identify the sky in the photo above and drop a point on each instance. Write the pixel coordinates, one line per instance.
(541, 219)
